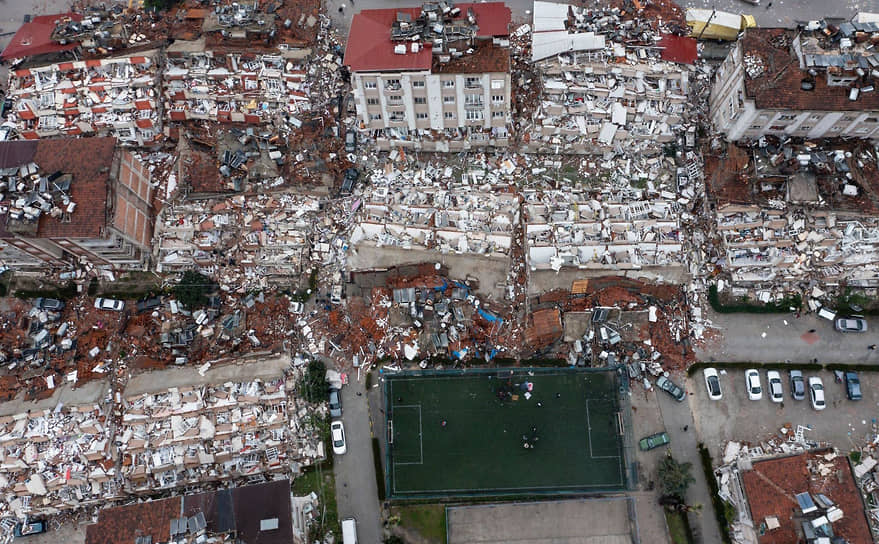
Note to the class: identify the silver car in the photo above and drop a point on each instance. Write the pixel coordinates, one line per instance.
(851, 324)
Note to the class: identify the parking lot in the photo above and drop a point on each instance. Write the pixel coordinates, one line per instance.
(843, 423)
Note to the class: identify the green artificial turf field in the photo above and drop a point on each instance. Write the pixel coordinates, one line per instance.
(571, 425)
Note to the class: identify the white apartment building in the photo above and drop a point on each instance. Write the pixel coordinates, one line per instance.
(433, 78)
(817, 83)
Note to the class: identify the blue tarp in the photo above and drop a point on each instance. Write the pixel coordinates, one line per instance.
(490, 317)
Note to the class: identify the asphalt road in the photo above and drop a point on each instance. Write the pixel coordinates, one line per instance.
(356, 491)
(677, 415)
(781, 13)
(784, 337)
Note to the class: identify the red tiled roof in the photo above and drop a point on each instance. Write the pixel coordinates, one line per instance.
(778, 87)
(34, 38)
(370, 47)
(123, 524)
(678, 49)
(89, 161)
(772, 485)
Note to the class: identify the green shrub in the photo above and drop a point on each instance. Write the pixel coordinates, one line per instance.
(67, 292)
(782, 306)
(720, 510)
(314, 386)
(379, 469)
(193, 288)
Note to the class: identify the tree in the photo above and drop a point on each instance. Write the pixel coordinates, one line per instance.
(160, 4)
(675, 478)
(314, 385)
(193, 288)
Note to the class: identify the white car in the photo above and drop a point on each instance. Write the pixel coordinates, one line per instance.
(337, 432)
(816, 393)
(752, 383)
(776, 394)
(712, 383)
(109, 304)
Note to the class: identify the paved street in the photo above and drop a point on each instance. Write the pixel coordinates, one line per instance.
(784, 337)
(356, 490)
(676, 415)
(781, 13)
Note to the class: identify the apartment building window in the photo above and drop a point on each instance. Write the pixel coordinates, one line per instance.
(786, 117)
(871, 120)
(863, 130)
(370, 85)
(815, 117)
(473, 100)
(497, 98)
(372, 101)
(397, 116)
(472, 82)
(420, 100)
(448, 100)
(448, 83)
(395, 99)
(848, 118)
(392, 84)
(777, 127)
(497, 83)
(756, 127)
(421, 115)
(806, 127)
(474, 115)
(498, 114)
(375, 117)
(418, 84)
(448, 115)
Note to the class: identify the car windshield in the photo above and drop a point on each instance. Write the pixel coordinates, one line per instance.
(337, 443)
(714, 385)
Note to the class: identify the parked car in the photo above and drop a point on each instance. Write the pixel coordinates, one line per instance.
(335, 402)
(852, 386)
(671, 388)
(851, 324)
(337, 431)
(351, 175)
(350, 141)
(34, 527)
(148, 304)
(776, 394)
(712, 383)
(109, 304)
(51, 304)
(797, 385)
(816, 393)
(653, 441)
(752, 383)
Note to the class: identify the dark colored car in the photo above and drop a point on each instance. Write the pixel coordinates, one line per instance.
(51, 304)
(671, 388)
(148, 304)
(797, 385)
(335, 403)
(31, 528)
(348, 182)
(653, 441)
(852, 386)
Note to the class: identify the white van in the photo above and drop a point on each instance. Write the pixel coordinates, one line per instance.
(827, 313)
(349, 531)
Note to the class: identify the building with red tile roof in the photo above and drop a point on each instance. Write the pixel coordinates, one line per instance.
(812, 84)
(775, 491)
(35, 38)
(99, 211)
(437, 76)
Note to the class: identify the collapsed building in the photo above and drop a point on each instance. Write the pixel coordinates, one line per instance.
(241, 240)
(811, 83)
(600, 91)
(788, 213)
(74, 202)
(434, 78)
(232, 87)
(111, 96)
